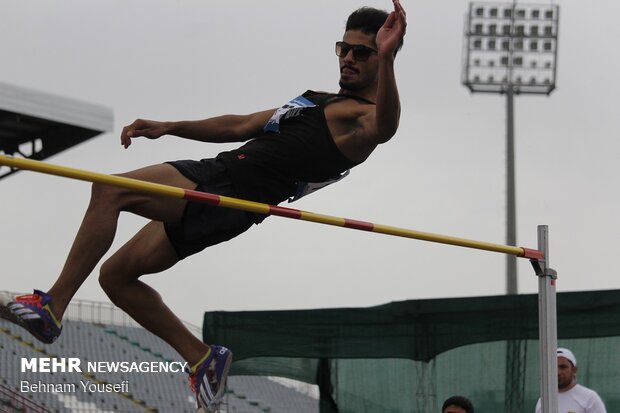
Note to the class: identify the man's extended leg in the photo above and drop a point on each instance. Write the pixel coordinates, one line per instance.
(98, 227)
(40, 313)
(147, 252)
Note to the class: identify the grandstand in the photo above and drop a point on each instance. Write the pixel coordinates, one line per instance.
(99, 332)
(403, 357)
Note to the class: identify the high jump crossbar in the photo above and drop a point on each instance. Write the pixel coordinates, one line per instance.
(257, 207)
(538, 258)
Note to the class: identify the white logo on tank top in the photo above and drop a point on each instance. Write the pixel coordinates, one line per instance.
(291, 109)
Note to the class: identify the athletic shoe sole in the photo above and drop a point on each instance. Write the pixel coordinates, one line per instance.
(32, 326)
(6, 314)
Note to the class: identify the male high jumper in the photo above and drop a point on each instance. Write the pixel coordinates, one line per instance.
(312, 140)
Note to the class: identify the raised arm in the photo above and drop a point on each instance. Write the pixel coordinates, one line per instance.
(220, 129)
(382, 124)
(388, 102)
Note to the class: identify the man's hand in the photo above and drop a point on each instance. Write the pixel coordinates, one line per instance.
(393, 30)
(150, 129)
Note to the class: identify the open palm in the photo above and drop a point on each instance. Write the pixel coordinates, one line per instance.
(393, 30)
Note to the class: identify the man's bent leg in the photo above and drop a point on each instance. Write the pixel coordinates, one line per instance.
(98, 227)
(148, 252)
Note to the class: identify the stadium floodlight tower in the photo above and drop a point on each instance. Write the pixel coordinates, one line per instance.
(510, 49)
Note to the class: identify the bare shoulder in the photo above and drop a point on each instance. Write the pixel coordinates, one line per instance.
(348, 109)
(348, 121)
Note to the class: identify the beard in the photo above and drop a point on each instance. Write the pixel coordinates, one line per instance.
(352, 86)
(564, 383)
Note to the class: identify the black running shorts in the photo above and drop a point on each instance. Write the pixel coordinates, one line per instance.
(204, 225)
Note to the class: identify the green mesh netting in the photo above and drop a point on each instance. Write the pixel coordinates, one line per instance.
(409, 356)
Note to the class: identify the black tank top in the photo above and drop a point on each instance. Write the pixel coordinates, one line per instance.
(295, 147)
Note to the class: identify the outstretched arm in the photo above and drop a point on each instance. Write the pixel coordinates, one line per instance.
(220, 129)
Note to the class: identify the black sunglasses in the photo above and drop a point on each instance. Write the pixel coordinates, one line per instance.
(361, 53)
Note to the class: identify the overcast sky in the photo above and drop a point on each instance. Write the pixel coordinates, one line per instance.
(443, 172)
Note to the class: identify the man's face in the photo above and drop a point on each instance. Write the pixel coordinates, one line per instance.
(356, 74)
(567, 374)
(454, 409)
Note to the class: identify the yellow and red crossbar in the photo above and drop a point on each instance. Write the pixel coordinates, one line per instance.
(260, 208)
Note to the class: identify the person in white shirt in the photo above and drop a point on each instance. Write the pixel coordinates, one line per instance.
(573, 397)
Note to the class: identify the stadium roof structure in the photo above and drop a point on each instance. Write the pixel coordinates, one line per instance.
(37, 125)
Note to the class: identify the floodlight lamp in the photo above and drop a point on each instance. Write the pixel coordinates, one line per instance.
(511, 41)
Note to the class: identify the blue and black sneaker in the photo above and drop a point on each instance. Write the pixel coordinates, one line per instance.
(208, 377)
(33, 313)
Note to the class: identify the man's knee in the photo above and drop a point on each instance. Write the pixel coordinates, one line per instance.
(105, 195)
(111, 280)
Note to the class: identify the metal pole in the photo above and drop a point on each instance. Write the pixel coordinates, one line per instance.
(515, 366)
(511, 214)
(547, 326)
